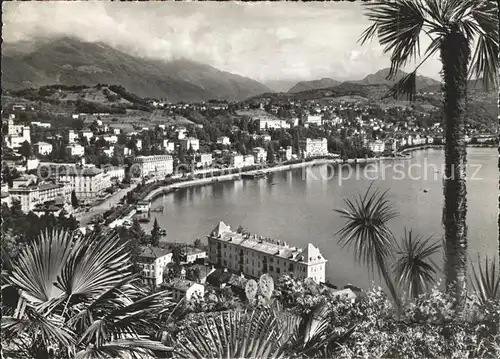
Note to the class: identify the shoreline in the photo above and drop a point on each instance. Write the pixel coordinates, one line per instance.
(237, 176)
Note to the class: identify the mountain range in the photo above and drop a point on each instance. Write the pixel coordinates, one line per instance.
(68, 61)
(378, 78)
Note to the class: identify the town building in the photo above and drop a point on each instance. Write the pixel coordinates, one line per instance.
(183, 288)
(32, 195)
(236, 161)
(377, 146)
(190, 143)
(17, 134)
(192, 254)
(314, 119)
(87, 134)
(41, 124)
(204, 160)
(313, 147)
(168, 145)
(143, 206)
(157, 165)
(153, 260)
(248, 160)
(259, 154)
(286, 153)
(71, 136)
(42, 148)
(75, 150)
(224, 140)
(253, 256)
(111, 139)
(267, 123)
(88, 182)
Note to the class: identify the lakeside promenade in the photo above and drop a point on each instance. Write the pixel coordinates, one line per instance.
(86, 217)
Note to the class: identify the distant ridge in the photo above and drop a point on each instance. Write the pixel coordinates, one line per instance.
(69, 61)
(378, 78)
(314, 85)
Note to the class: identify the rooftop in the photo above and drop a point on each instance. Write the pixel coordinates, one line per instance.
(308, 254)
(153, 252)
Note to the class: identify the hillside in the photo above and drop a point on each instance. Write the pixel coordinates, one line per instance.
(314, 85)
(380, 78)
(68, 61)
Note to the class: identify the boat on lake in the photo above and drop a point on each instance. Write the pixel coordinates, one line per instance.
(157, 209)
(258, 174)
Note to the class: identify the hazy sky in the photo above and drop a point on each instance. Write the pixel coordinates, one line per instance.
(265, 41)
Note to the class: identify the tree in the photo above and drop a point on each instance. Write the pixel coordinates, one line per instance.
(70, 296)
(457, 30)
(155, 234)
(26, 150)
(74, 199)
(366, 231)
(414, 269)
(137, 232)
(270, 155)
(197, 243)
(177, 254)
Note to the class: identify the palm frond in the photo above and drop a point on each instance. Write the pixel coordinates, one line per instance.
(414, 269)
(484, 62)
(366, 230)
(486, 280)
(398, 25)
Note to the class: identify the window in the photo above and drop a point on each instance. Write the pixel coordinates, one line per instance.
(225, 245)
(278, 270)
(271, 260)
(225, 262)
(270, 268)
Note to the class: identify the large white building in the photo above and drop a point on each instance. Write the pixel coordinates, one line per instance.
(17, 134)
(153, 260)
(158, 165)
(253, 256)
(31, 196)
(87, 182)
(314, 147)
(237, 161)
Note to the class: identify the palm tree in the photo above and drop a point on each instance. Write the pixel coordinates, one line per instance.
(261, 333)
(75, 297)
(457, 29)
(414, 269)
(366, 231)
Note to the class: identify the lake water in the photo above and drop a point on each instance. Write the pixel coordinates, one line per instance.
(298, 206)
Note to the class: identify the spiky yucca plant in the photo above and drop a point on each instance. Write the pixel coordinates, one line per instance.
(414, 268)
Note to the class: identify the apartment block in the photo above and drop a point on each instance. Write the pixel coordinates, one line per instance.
(87, 182)
(254, 255)
(158, 165)
(314, 147)
(31, 196)
(153, 260)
